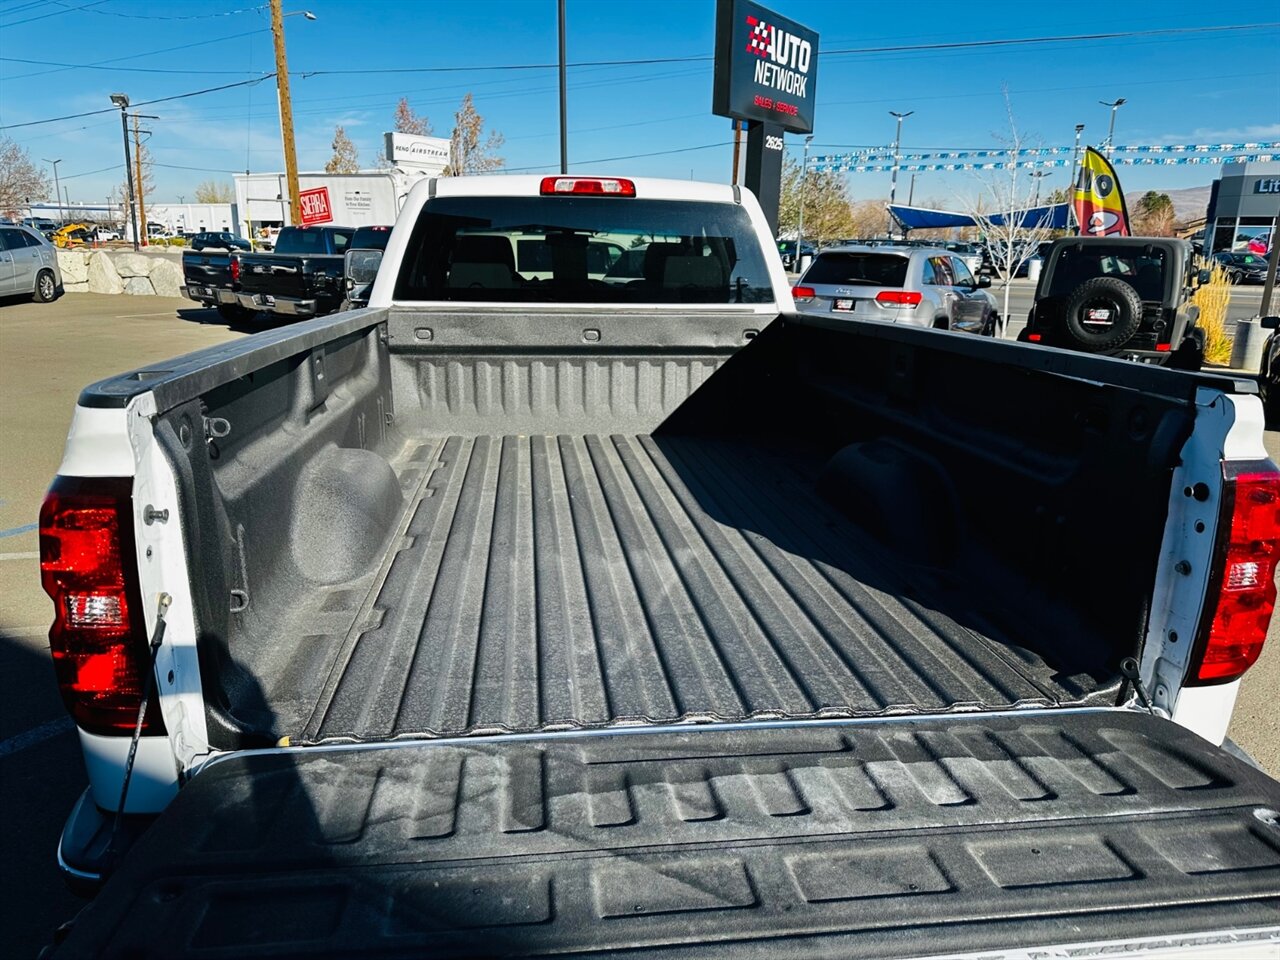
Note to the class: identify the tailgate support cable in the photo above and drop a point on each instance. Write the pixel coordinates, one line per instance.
(157, 637)
(1129, 670)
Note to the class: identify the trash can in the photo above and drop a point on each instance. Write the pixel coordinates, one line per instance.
(1246, 349)
(804, 262)
(1034, 266)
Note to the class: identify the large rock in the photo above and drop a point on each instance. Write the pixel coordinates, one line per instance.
(132, 264)
(74, 265)
(139, 286)
(166, 278)
(101, 275)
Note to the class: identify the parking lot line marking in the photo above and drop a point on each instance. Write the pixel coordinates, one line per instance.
(14, 531)
(29, 555)
(139, 316)
(29, 738)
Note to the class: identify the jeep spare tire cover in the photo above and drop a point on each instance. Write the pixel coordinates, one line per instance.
(1102, 314)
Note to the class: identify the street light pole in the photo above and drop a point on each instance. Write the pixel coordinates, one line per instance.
(564, 103)
(897, 159)
(57, 190)
(1111, 129)
(121, 100)
(286, 107)
(804, 195)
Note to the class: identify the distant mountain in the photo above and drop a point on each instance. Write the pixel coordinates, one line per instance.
(1189, 203)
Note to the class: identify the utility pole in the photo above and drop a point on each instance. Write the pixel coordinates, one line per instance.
(564, 108)
(121, 100)
(1111, 129)
(897, 160)
(286, 109)
(141, 186)
(57, 190)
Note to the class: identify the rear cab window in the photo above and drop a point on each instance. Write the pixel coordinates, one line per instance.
(854, 267)
(305, 241)
(370, 238)
(1141, 267)
(583, 249)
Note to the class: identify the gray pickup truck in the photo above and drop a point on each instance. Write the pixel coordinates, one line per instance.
(302, 277)
(542, 614)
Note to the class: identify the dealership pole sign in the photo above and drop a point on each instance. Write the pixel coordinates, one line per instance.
(766, 67)
(413, 152)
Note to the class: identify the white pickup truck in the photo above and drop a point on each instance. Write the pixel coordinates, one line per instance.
(541, 608)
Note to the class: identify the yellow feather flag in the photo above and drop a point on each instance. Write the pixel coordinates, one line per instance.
(1099, 203)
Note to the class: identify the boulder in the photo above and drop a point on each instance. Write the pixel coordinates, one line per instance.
(139, 287)
(101, 275)
(166, 278)
(132, 264)
(74, 265)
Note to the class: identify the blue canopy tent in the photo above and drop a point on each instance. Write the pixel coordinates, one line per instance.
(1056, 216)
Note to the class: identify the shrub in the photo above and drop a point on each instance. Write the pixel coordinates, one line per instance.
(1213, 298)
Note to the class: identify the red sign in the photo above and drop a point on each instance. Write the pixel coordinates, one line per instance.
(314, 205)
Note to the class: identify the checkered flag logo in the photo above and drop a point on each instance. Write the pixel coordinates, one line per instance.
(761, 37)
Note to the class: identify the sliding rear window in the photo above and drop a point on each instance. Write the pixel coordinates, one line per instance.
(868, 269)
(583, 250)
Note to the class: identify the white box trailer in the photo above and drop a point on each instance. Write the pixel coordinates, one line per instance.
(348, 200)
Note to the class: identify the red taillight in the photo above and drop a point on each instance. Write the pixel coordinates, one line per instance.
(1033, 337)
(1242, 587)
(235, 268)
(98, 638)
(803, 294)
(1163, 347)
(599, 186)
(905, 298)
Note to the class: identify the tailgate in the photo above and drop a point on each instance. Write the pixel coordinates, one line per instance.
(880, 839)
(207, 271)
(282, 276)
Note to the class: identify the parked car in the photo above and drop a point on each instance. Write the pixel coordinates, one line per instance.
(787, 250)
(969, 253)
(219, 240)
(651, 618)
(103, 234)
(1120, 296)
(302, 277)
(1269, 377)
(28, 265)
(917, 286)
(1242, 267)
(41, 225)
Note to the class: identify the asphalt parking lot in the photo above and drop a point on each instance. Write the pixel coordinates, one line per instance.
(47, 353)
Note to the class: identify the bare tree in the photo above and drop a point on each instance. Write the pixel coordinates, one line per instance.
(469, 150)
(406, 121)
(828, 213)
(1002, 209)
(20, 180)
(345, 158)
(213, 191)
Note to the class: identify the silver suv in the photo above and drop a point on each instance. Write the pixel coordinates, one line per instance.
(920, 286)
(28, 265)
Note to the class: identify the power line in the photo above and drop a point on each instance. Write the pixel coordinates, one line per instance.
(630, 156)
(143, 103)
(148, 16)
(174, 166)
(102, 64)
(850, 51)
(56, 13)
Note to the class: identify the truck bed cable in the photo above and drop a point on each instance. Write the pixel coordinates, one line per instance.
(148, 680)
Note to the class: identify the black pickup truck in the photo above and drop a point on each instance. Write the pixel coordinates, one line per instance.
(208, 279)
(301, 278)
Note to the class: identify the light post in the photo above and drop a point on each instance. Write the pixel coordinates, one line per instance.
(1111, 129)
(286, 104)
(1038, 175)
(804, 183)
(121, 100)
(1075, 155)
(897, 159)
(57, 190)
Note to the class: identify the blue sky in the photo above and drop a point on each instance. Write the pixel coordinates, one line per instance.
(1197, 87)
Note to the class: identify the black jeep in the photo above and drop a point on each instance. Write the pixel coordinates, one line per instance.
(1121, 296)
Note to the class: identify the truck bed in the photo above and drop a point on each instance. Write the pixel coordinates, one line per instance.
(580, 581)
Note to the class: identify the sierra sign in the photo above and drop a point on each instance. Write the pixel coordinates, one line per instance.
(766, 67)
(314, 206)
